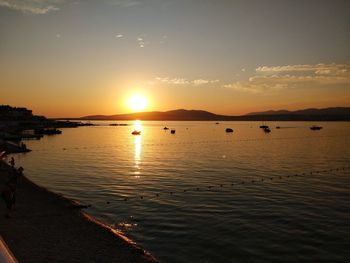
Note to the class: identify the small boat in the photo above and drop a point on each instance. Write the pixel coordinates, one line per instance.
(229, 130)
(267, 130)
(172, 131)
(264, 127)
(135, 132)
(165, 128)
(216, 123)
(315, 128)
(278, 127)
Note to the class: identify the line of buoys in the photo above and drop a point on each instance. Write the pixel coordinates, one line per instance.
(196, 142)
(221, 186)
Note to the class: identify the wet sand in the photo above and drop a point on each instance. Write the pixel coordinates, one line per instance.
(47, 227)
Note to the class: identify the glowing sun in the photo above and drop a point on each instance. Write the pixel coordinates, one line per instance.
(137, 102)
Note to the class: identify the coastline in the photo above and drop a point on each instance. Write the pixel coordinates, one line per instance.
(48, 227)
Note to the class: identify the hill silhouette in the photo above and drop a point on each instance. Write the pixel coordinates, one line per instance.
(326, 114)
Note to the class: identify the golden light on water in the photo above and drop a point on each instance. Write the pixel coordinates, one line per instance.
(137, 125)
(138, 148)
(137, 102)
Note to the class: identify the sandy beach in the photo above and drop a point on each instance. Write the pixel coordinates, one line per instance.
(47, 227)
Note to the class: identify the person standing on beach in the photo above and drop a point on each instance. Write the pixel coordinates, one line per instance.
(9, 196)
(19, 174)
(12, 162)
(15, 175)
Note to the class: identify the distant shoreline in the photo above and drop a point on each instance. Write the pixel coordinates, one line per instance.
(326, 114)
(257, 120)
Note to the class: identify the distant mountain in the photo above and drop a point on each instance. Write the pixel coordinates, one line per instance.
(174, 115)
(311, 111)
(327, 114)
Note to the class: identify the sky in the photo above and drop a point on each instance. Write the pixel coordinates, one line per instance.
(64, 58)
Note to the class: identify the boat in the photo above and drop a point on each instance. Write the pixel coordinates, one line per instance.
(216, 122)
(264, 127)
(135, 132)
(278, 127)
(172, 131)
(165, 128)
(315, 128)
(267, 130)
(229, 130)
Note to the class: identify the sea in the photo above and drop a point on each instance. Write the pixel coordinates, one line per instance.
(203, 195)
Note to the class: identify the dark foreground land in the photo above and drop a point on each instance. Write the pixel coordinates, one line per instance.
(46, 227)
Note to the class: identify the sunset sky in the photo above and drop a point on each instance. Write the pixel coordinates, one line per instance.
(66, 58)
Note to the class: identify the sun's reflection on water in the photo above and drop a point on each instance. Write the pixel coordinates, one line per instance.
(138, 149)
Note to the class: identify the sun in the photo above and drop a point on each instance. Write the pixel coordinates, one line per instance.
(137, 102)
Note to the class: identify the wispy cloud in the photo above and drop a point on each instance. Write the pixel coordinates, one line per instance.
(322, 69)
(275, 78)
(35, 7)
(173, 81)
(142, 42)
(204, 81)
(125, 3)
(184, 81)
(255, 88)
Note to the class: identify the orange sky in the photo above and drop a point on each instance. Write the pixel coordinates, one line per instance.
(227, 57)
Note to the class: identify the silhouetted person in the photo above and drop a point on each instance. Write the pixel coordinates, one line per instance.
(12, 162)
(15, 176)
(23, 146)
(9, 196)
(19, 173)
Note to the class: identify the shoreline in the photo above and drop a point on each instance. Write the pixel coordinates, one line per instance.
(49, 227)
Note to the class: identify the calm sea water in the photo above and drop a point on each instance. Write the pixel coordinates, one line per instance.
(181, 205)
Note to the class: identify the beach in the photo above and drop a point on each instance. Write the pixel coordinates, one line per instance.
(47, 227)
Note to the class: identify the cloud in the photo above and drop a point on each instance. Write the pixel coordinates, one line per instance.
(142, 42)
(35, 7)
(125, 3)
(184, 81)
(173, 81)
(203, 81)
(319, 69)
(278, 78)
(255, 88)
